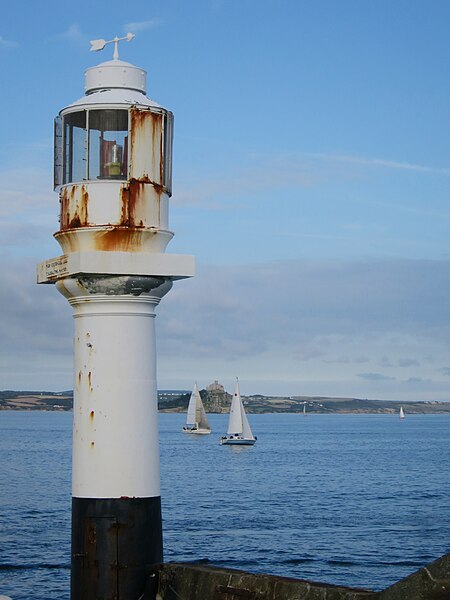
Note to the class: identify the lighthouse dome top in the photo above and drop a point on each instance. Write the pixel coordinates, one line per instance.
(114, 82)
(115, 74)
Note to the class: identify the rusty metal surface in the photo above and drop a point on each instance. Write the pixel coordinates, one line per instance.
(132, 210)
(133, 200)
(146, 146)
(74, 200)
(114, 239)
(115, 542)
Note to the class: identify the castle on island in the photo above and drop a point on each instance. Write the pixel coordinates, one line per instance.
(218, 399)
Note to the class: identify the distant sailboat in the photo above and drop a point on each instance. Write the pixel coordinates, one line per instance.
(304, 409)
(196, 420)
(401, 413)
(238, 432)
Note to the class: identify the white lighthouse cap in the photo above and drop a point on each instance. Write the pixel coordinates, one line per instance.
(115, 74)
(114, 81)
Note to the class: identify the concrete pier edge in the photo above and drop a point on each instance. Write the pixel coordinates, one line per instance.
(193, 581)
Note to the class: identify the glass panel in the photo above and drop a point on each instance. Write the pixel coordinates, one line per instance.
(57, 155)
(108, 144)
(75, 147)
(168, 142)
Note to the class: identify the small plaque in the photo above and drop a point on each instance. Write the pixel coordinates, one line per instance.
(53, 269)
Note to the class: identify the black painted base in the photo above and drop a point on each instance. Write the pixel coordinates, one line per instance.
(115, 542)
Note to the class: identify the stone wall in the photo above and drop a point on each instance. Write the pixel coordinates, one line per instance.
(190, 581)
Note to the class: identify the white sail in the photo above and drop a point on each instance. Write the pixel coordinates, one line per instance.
(246, 431)
(191, 418)
(239, 431)
(200, 414)
(196, 419)
(402, 414)
(235, 419)
(304, 408)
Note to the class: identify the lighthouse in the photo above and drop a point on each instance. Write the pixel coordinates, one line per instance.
(113, 173)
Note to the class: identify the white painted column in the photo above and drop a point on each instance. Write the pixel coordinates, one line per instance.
(115, 433)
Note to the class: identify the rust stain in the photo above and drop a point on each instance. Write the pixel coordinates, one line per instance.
(121, 239)
(133, 200)
(88, 341)
(89, 380)
(147, 124)
(125, 206)
(91, 414)
(92, 444)
(75, 222)
(74, 201)
(67, 240)
(137, 117)
(79, 376)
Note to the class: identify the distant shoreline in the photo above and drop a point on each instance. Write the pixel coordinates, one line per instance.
(32, 401)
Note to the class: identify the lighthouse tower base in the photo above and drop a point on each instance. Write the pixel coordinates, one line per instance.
(116, 505)
(115, 543)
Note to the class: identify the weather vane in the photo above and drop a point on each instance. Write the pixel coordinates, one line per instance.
(97, 45)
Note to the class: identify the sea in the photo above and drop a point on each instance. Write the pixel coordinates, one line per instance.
(357, 500)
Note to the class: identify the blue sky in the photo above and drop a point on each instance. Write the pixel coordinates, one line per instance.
(311, 182)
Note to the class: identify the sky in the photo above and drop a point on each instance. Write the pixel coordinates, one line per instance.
(311, 182)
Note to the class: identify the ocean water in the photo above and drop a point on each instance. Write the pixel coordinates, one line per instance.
(358, 500)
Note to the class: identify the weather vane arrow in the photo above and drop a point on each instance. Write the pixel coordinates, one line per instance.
(97, 45)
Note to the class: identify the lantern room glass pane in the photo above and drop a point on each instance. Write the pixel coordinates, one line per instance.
(58, 153)
(75, 147)
(108, 144)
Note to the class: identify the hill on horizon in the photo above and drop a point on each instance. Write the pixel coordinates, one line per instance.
(177, 401)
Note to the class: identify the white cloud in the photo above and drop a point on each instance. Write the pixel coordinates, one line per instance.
(380, 162)
(7, 43)
(28, 213)
(26, 191)
(216, 5)
(376, 377)
(36, 331)
(259, 173)
(73, 35)
(138, 26)
(221, 192)
(407, 362)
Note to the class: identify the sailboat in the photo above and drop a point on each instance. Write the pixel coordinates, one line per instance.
(401, 413)
(196, 420)
(304, 409)
(238, 432)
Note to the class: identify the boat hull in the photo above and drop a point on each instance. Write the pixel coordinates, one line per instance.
(236, 442)
(196, 431)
